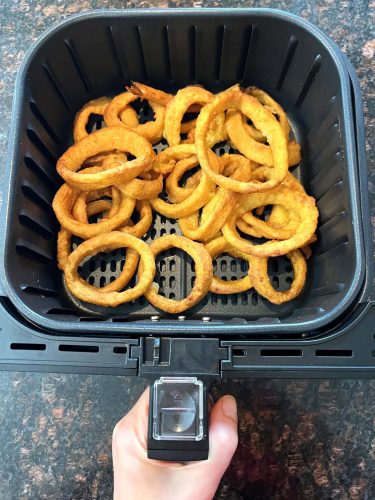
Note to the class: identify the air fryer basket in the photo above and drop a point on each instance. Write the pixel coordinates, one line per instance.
(281, 54)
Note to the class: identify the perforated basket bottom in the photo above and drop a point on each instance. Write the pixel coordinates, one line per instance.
(175, 275)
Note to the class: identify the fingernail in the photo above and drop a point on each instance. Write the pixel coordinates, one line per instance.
(230, 407)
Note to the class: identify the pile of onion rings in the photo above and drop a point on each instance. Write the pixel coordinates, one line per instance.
(245, 203)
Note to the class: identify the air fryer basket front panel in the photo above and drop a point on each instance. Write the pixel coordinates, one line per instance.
(284, 56)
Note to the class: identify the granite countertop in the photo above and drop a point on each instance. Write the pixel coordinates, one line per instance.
(298, 439)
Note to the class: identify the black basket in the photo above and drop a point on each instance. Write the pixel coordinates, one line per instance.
(282, 54)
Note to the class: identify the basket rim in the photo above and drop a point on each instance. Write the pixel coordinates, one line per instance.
(172, 325)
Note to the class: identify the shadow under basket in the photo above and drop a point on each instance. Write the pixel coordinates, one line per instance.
(96, 54)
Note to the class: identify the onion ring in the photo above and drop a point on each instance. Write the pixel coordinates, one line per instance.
(252, 149)
(259, 277)
(143, 189)
(64, 236)
(262, 119)
(199, 197)
(101, 243)
(272, 105)
(218, 246)
(179, 105)
(101, 141)
(141, 228)
(93, 107)
(176, 193)
(216, 211)
(203, 270)
(166, 159)
(301, 203)
(152, 130)
(62, 206)
(129, 116)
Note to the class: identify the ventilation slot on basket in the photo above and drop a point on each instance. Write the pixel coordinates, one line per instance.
(55, 84)
(32, 290)
(28, 347)
(115, 52)
(138, 36)
(120, 350)
(78, 348)
(78, 65)
(193, 51)
(35, 227)
(37, 113)
(334, 353)
(167, 52)
(340, 240)
(41, 147)
(281, 352)
(327, 290)
(238, 352)
(40, 172)
(219, 51)
(247, 50)
(291, 47)
(36, 198)
(30, 251)
(309, 81)
(61, 311)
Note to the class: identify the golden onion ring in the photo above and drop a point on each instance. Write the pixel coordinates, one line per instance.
(203, 270)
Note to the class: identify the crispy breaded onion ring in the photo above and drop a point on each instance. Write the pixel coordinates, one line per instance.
(218, 246)
(63, 204)
(93, 107)
(166, 159)
(64, 236)
(143, 189)
(199, 197)
(102, 141)
(253, 149)
(179, 105)
(64, 248)
(104, 243)
(272, 105)
(203, 270)
(260, 280)
(217, 210)
(152, 130)
(143, 225)
(299, 202)
(175, 192)
(262, 119)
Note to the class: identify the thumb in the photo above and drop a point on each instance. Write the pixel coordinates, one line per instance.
(223, 435)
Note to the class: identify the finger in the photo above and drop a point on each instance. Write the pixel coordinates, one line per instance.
(131, 430)
(223, 435)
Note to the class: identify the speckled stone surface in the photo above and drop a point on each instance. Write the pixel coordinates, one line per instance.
(298, 439)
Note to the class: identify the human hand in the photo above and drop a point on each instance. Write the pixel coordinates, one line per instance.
(136, 476)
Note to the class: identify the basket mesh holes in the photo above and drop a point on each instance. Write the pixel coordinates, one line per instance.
(91, 280)
(163, 231)
(254, 299)
(289, 280)
(244, 299)
(113, 265)
(172, 282)
(102, 281)
(103, 265)
(275, 282)
(233, 266)
(172, 265)
(163, 266)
